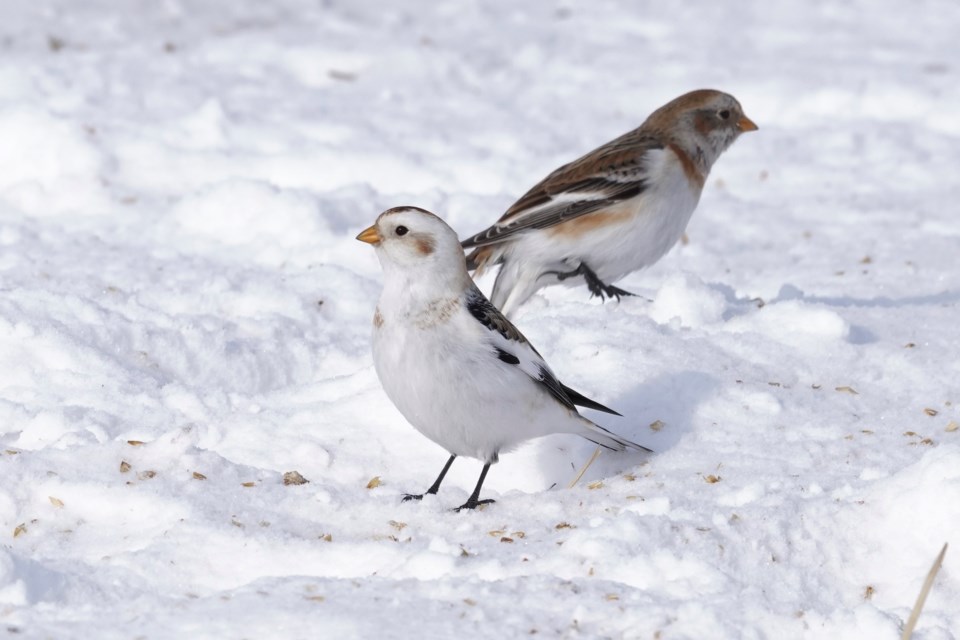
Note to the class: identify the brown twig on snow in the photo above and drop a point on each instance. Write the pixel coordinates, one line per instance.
(922, 598)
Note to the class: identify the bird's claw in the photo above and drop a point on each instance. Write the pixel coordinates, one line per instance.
(594, 284)
(473, 504)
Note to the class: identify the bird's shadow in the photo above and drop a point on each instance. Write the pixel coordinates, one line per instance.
(656, 414)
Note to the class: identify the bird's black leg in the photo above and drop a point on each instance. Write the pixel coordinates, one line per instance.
(474, 500)
(598, 288)
(594, 284)
(436, 485)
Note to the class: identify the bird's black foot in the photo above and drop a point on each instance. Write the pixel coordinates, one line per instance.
(594, 284)
(432, 491)
(473, 503)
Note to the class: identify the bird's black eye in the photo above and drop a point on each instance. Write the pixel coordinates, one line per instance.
(724, 114)
(401, 230)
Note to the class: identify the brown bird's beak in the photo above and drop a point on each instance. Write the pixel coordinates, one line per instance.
(746, 124)
(370, 235)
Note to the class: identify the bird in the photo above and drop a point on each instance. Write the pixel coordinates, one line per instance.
(617, 209)
(456, 368)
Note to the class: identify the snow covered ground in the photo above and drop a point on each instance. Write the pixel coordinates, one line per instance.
(185, 316)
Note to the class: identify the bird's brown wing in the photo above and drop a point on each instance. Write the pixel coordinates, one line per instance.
(614, 172)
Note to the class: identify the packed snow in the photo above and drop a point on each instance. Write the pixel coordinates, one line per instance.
(185, 318)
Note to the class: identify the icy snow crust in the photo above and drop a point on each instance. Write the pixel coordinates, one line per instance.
(185, 316)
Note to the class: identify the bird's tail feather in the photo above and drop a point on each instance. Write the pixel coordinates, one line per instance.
(609, 440)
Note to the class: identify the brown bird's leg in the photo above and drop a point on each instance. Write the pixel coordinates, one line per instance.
(594, 284)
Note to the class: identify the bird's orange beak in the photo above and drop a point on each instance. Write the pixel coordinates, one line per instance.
(370, 235)
(746, 124)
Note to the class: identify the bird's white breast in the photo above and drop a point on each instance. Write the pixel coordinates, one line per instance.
(447, 381)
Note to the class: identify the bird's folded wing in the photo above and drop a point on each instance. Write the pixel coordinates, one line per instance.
(614, 172)
(510, 346)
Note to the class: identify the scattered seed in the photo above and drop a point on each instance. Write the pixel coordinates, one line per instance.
(927, 441)
(11, 452)
(470, 602)
(199, 476)
(294, 477)
(629, 477)
(314, 598)
(930, 412)
(399, 526)
(374, 482)
(564, 525)
(124, 466)
(816, 386)
(612, 596)
(866, 431)
(868, 592)
(496, 533)
(774, 384)
(952, 426)
(248, 484)
(57, 502)
(20, 530)
(910, 434)
(146, 475)
(656, 425)
(712, 479)
(519, 534)
(597, 484)
(135, 443)
(506, 539)
(327, 537)
(850, 390)
(910, 345)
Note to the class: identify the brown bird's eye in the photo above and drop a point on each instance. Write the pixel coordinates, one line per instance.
(725, 114)
(401, 230)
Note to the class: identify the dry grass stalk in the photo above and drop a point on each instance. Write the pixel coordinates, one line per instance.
(583, 470)
(922, 598)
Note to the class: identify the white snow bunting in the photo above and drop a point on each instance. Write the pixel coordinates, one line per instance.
(617, 209)
(454, 366)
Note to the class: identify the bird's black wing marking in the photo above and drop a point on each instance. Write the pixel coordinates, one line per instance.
(490, 317)
(583, 401)
(555, 387)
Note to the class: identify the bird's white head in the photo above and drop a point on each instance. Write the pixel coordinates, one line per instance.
(416, 248)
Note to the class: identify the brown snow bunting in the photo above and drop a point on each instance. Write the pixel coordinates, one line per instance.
(453, 365)
(617, 209)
